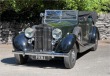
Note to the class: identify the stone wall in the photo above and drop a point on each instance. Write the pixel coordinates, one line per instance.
(8, 30)
(103, 24)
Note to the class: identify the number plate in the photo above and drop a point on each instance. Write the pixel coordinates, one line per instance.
(40, 58)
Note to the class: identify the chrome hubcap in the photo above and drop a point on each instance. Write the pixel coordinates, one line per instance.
(79, 38)
(96, 40)
(73, 55)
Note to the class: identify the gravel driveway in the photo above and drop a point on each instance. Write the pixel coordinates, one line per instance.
(89, 63)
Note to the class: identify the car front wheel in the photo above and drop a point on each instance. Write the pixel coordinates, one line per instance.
(20, 59)
(69, 61)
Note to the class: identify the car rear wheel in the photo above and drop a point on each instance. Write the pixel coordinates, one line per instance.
(20, 59)
(96, 44)
(69, 61)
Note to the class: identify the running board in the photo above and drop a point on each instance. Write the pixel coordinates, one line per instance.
(86, 47)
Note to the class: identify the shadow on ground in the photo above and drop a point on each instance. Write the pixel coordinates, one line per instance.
(82, 54)
(10, 60)
(55, 63)
(36, 63)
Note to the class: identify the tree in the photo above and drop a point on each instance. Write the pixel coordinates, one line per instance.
(30, 9)
(97, 5)
(105, 5)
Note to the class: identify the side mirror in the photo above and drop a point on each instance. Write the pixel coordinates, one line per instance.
(41, 14)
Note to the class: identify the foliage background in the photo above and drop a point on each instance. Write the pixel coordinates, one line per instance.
(29, 10)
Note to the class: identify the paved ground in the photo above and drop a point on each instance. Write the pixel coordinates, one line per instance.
(88, 64)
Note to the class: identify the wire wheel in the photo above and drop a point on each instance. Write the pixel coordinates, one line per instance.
(69, 61)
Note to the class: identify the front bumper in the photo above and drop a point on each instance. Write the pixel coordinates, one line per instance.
(51, 54)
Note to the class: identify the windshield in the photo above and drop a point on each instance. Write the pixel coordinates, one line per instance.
(60, 16)
(53, 14)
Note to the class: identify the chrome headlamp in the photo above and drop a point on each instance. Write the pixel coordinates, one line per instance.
(29, 32)
(57, 33)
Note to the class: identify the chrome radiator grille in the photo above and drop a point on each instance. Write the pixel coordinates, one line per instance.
(43, 39)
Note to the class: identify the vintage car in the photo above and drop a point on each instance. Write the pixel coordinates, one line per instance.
(62, 34)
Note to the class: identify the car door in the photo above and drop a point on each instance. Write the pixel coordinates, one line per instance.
(88, 28)
(83, 25)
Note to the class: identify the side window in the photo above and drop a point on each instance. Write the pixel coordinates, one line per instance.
(89, 21)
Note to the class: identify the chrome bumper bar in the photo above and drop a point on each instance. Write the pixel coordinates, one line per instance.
(52, 54)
